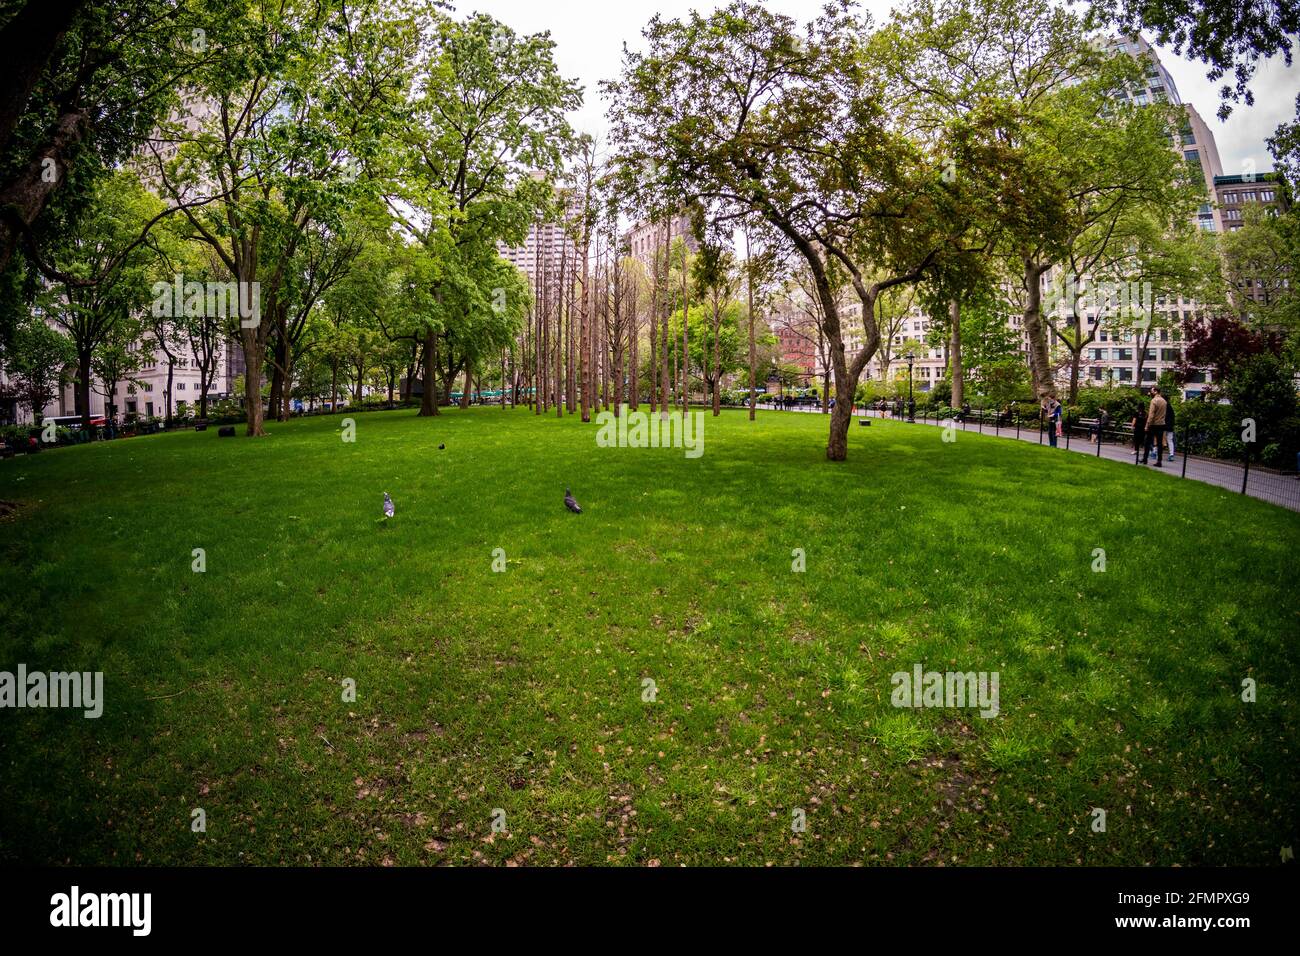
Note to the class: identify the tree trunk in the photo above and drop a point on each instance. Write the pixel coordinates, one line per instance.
(686, 324)
(1039, 357)
(171, 372)
(429, 401)
(83, 386)
(286, 409)
(753, 347)
(955, 368)
(837, 446)
(717, 361)
(634, 343)
(253, 359)
(1076, 357)
(26, 44)
(277, 387)
(24, 196)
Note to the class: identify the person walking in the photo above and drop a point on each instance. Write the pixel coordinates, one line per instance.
(1156, 428)
(1169, 431)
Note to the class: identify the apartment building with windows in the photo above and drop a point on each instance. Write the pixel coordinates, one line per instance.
(548, 244)
(646, 238)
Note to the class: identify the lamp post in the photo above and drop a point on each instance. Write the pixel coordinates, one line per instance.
(911, 405)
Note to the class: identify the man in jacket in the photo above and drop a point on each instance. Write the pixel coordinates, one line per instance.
(1156, 428)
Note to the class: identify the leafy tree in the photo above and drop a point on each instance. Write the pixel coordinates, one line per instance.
(299, 97)
(749, 117)
(36, 362)
(85, 84)
(473, 166)
(116, 359)
(1147, 259)
(1260, 261)
(1285, 147)
(1261, 388)
(106, 246)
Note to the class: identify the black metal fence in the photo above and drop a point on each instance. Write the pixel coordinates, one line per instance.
(1187, 456)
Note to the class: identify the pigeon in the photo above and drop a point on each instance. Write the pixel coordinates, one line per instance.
(571, 503)
(442, 448)
(388, 506)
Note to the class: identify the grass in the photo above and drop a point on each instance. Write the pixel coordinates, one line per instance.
(523, 691)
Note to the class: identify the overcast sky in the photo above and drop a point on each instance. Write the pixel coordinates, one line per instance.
(589, 37)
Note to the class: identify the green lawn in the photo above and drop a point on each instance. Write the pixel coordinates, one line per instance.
(523, 690)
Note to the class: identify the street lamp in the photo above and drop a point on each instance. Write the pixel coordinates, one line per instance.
(911, 405)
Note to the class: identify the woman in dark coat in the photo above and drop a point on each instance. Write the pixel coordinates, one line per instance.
(1140, 429)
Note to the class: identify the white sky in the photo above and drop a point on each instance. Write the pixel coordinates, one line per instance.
(589, 37)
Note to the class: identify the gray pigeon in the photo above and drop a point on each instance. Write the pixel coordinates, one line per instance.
(388, 506)
(442, 448)
(571, 503)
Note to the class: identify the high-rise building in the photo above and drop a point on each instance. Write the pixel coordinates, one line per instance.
(547, 245)
(1232, 194)
(648, 238)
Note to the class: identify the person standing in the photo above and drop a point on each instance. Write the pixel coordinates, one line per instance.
(1169, 431)
(1052, 409)
(1103, 422)
(1156, 428)
(1139, 425)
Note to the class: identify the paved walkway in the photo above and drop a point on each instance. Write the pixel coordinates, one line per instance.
(1276, 488)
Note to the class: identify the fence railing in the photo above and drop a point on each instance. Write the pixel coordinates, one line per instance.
(1190, 458)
